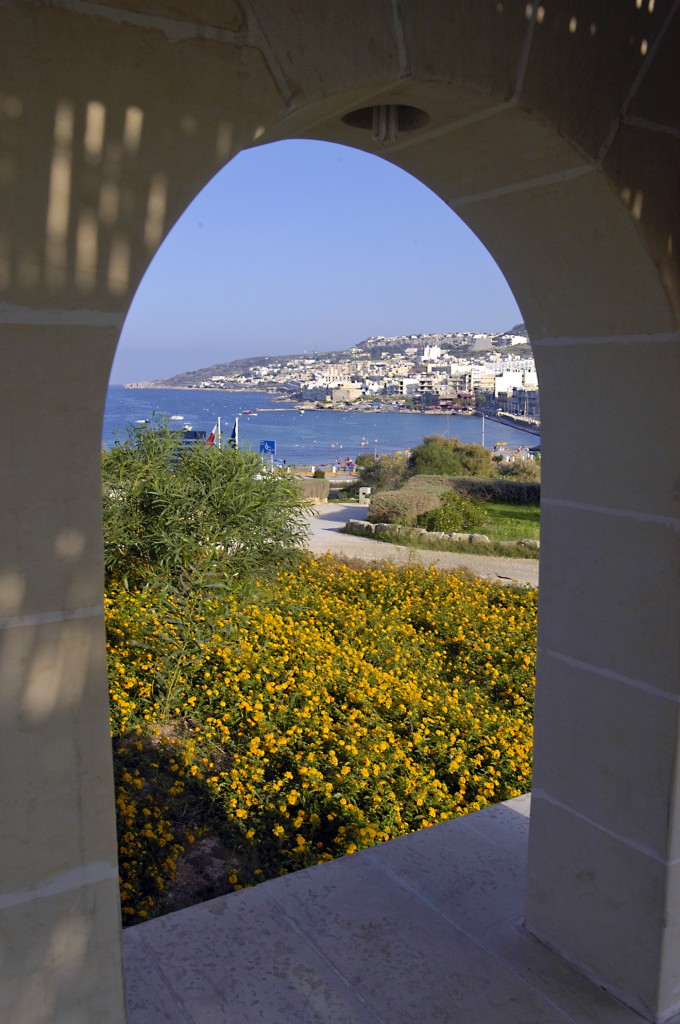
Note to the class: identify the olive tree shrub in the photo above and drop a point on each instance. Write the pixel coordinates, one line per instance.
(172, 508)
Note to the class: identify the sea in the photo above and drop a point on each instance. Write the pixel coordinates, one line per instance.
(310, 438)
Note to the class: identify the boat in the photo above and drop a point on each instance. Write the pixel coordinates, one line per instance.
(364, 442)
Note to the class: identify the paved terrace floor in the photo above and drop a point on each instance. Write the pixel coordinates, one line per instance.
(421, 930)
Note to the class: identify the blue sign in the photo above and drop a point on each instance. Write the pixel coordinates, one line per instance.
(267, 447)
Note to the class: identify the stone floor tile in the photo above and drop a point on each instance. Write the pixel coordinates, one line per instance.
(148, 997)
(237, 959)
(400, 954)
(469, 879)
(426, 929)
(506, 824)
(578, 998)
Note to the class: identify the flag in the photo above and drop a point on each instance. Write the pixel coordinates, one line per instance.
(213, 435)
(233, 439)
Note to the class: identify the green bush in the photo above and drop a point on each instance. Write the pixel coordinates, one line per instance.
(506, 492)
(430, 482)
(401, 507)
(424, 493)
(169, 508)
(384, 473)
(526, 471)
(319, 474)
(447, 456)
(454, 515)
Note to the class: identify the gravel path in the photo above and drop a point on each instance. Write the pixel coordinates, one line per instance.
(326, 525)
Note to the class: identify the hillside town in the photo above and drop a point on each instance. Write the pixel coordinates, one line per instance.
(461, 373)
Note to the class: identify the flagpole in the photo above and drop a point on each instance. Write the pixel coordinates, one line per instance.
(236, 432)
(219, 431)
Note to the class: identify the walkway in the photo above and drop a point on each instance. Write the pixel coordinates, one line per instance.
(326, 536)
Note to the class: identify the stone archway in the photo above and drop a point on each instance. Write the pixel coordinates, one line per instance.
(552, 132)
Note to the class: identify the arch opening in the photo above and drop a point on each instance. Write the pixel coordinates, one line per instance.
(363, 204)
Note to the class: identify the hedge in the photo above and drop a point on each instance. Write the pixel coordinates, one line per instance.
(402, 506)
(507, 492)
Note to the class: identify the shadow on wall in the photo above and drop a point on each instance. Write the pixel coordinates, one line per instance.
(105, 192)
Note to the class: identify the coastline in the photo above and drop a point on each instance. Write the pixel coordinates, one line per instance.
(287, 404)
(510, 421)
(312, 439)
(144, 386)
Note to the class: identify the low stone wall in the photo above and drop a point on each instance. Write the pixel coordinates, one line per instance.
(362, 528)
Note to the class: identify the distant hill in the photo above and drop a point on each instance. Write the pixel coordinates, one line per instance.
(231, 369)
(362, 350)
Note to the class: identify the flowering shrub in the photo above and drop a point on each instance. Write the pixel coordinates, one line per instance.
(147, 843)
(333, 709)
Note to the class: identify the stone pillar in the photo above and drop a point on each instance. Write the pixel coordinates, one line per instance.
(59, 902)
(604, 863)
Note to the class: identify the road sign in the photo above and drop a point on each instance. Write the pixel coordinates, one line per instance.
(267, 447)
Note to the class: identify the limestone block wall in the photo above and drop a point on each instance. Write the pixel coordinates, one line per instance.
(59, 891)
(551, 129)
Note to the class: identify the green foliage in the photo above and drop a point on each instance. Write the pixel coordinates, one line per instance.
(438, 461)
(525, 471)
(507, 492)
(454, 515)
(447, 456)
(319, 474)
(402, 507)
(417, 538)
(428, 482)
(385, 473)
(170, 508)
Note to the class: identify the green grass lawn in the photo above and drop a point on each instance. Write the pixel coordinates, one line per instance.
(505, 523)
(511, 522)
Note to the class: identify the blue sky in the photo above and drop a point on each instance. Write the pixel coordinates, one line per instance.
(307, 245)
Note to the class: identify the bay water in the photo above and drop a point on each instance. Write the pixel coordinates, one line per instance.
(315, 437)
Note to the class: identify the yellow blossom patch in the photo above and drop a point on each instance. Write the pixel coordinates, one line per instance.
(334, 709)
